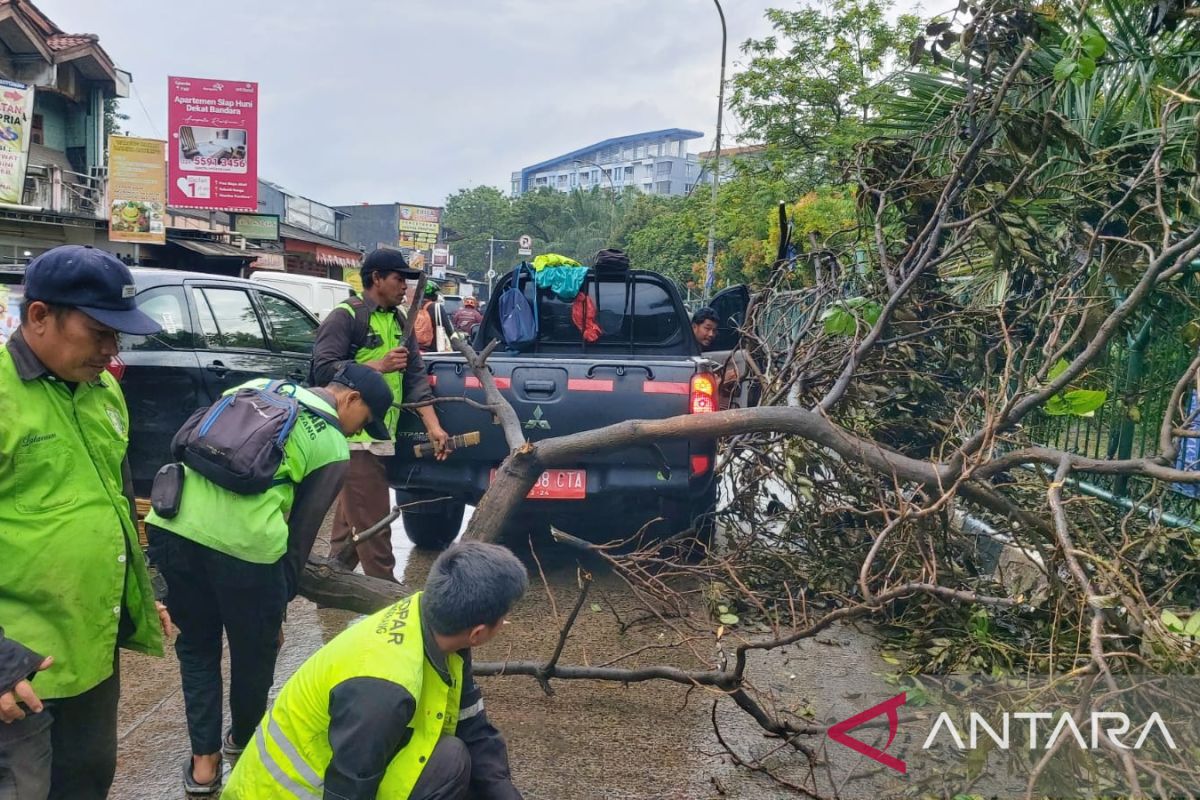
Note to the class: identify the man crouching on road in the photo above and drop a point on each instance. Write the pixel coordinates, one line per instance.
(389, 708)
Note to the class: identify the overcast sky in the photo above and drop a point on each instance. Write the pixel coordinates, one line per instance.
(410, 100)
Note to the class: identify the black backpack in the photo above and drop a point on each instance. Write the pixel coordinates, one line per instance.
(237, 443)
(611, 262)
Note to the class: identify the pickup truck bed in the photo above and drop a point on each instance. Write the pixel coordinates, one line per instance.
(561, 387)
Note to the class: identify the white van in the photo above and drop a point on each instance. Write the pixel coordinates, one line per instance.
(318, 295)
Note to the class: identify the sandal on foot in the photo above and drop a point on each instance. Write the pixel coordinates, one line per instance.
(230, 750)
(194, 787)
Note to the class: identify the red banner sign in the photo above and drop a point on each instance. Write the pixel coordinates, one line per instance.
(214, 144)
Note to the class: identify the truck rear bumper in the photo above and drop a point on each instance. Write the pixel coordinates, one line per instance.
(468, 482)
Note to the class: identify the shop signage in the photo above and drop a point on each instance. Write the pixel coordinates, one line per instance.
(137, 190)
(214, 144)
(16, 112)
(259, 227)
(420, 227)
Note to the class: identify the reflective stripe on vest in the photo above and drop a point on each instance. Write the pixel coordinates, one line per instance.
(280, 777)
(472, 710)
(292, 749)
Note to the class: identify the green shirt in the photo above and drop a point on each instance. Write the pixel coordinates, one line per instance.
(70, 563)
(253, 527)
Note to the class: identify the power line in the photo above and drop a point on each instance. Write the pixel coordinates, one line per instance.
(138, 95)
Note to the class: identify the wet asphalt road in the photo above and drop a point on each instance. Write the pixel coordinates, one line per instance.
(588, 740)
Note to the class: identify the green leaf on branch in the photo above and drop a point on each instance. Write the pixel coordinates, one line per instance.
(1076, 403)
(1093, 44)
(843, 317)
(1065, 68)
(728, 619)
(1086, 68)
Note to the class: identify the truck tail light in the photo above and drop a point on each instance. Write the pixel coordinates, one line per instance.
(701, 465)
(117, 368)
(703, 393)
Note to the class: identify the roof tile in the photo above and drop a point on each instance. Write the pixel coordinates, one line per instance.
(65, 41)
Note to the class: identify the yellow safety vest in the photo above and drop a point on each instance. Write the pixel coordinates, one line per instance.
(290, 751)
(385, 332)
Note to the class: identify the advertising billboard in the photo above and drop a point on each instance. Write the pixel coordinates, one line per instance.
(16, 111)
(420, 227)
(137, 190)
(260, 227)
(214, 144)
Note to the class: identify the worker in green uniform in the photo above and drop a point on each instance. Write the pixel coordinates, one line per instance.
(371, 330)
(389, 708)
(232, 561)
(73, 583)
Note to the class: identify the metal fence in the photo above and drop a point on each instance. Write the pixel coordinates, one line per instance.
(1139, 371)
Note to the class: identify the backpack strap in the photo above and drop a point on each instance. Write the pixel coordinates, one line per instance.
(282, 387)
(362, 322)
(358, 309)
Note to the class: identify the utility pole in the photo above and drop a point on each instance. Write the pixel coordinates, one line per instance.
(711, 275)
(492, 260)
(491, 265)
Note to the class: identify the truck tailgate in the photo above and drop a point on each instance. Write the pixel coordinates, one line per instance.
(559, 396)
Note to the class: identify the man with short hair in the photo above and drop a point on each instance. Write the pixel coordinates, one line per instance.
(371, 331)
(705, 324)
(73, 583)
(389, 708)
(232, 561)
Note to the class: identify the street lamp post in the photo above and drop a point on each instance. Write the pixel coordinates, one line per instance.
(711, 275)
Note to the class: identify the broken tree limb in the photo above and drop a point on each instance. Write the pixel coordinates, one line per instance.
(347, 556)
(505, 415)
(327, 583)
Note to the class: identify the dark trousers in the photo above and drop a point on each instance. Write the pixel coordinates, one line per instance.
(67, 752)
(447, 775)
(208, 592)
(363, 502)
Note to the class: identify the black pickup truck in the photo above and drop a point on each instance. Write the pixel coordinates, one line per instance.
(645, 365)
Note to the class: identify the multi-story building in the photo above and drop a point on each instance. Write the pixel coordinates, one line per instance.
(656, 162)
(65, 180)
(732, 159)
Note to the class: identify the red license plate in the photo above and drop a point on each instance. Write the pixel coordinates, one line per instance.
(558, 484)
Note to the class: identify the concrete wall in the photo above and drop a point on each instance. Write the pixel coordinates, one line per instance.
(367, 227)
(53, 109)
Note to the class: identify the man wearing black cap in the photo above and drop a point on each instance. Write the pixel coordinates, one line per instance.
(232, 560)
(73, 584)
(371, 331)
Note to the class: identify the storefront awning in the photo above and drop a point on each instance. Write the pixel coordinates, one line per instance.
(213, 249)
(329, 257)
